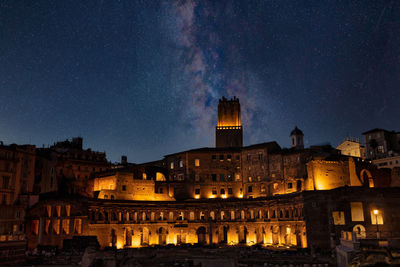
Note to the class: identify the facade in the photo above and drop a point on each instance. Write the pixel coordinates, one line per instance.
(17, 165)
(279, 221)
(228, 195)
(388, 162)
(380, 143)
(352, 147)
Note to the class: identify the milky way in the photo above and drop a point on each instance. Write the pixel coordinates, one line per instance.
(143, 78)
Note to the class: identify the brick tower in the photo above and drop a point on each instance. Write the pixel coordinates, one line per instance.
(229, 132)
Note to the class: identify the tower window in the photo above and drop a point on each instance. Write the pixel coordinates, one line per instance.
(180, 164)
(197, 191)
(171, 166)
(197, 162)
(230, 191)
(222, 191)
(214, 191)
(214, 177)
(250, 189)
(221, 177)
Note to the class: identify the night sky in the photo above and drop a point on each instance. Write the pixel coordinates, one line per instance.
(143, 78)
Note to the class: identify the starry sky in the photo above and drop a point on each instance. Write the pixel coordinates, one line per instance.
(143, 78)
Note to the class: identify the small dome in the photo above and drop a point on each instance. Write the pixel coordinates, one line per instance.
(296, 131)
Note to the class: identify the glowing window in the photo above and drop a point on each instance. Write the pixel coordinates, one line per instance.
(371, 182)
(197, 162)
(171, 166)
(144, 176)
(338, 218)
(357, 212)
(160, 177)
(376, 217)
(56, 226)
(180, 164)
(65, 227)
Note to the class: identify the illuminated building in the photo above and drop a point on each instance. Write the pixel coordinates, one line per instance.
(229, 195)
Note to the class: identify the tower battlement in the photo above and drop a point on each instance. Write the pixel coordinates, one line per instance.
(229, 132)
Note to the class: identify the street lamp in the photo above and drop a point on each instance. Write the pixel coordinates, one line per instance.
(376, 212)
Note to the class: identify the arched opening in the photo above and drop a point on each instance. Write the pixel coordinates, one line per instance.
(242, 234)
(201, 235)
(275, 234)
(260, 235)
(128, 237)
(298, 185)
(360, 231)
(162, 236)
(144, 240)
(223, 234)
(366, 178)
(113, 238)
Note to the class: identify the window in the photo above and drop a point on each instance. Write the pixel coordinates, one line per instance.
(290, 185)
(376, 216)
(230, 191)
(222, 177)
(262, 189)
(380, 149)
(112, 196)
(180, 164)
(250, 179)
(338, 218)
(237, 177)
(197, 162)
(124, 188)
(197, 191)
(357, 213)
(222, 191)
(250, 189)
(197, 178)
(105, 196)
(6, 181)
(221, 157)
(171, 165)
(260, 156)
(214, 177)
(237, 157)
(248, 157)
(229, 177)
(214, 157)
(229, 157)
(214, 191)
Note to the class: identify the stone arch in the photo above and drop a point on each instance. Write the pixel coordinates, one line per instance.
(223, 234)
(162, 236)
(128, 236)
(360, 232)
(242, 234)
(275, 234)
(144, 239)
(260, 235)
(212, 215)
(201, 235)
(366, 178)
(113, 236)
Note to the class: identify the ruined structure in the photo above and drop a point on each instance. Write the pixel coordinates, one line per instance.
(228, 195)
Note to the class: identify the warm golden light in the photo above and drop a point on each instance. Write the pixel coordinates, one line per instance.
(240, 195)
(223, 196)
(119, 245)
(196, 196)
(376, 212)
(211, 196)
